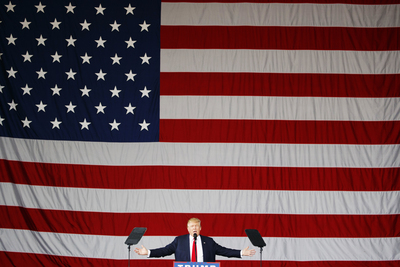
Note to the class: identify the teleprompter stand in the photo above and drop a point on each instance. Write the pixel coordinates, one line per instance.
(256, 240)
(133, 239)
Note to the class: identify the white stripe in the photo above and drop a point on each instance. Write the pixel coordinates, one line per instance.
(207, 201)
(274, 14)
(113, 247)
(279, 108)
(200, 154)
(280, 61)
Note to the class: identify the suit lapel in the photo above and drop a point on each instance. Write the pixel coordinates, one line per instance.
(204, 246)
(187, 246)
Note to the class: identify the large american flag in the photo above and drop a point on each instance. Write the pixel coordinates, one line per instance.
(277, 116)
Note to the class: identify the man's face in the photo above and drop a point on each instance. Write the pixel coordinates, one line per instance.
(194, 227)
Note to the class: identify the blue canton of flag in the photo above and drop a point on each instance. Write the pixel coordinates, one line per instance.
(82, 70)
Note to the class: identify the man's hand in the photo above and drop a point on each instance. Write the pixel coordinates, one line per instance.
(248, 252)
(142, 251)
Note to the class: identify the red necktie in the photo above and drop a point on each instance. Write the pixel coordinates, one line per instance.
(194, 252)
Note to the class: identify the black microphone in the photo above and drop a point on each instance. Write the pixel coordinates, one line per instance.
(195, 247)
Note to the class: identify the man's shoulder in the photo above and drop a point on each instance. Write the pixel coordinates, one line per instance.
(182, 236)
(206, 238)
(203, 237)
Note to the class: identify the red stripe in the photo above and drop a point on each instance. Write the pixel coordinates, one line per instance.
(291, 132)
(9, 259)
(280, 84)
(297, 38)
(193, 177)
(269, 225)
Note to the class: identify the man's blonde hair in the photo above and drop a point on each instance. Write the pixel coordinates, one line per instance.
(194, 220)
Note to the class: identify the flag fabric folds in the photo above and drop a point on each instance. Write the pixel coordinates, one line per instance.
(276, 116)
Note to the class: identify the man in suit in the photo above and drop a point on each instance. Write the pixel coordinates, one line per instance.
(205, 248)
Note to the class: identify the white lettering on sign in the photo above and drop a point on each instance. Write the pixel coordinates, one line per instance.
(195, 265)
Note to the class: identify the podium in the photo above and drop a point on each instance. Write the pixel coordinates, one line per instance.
(196, 264)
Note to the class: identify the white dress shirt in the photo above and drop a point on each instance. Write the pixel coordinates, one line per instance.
(199, 248)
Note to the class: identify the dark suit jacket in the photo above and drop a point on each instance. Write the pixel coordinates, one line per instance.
(180, 246)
